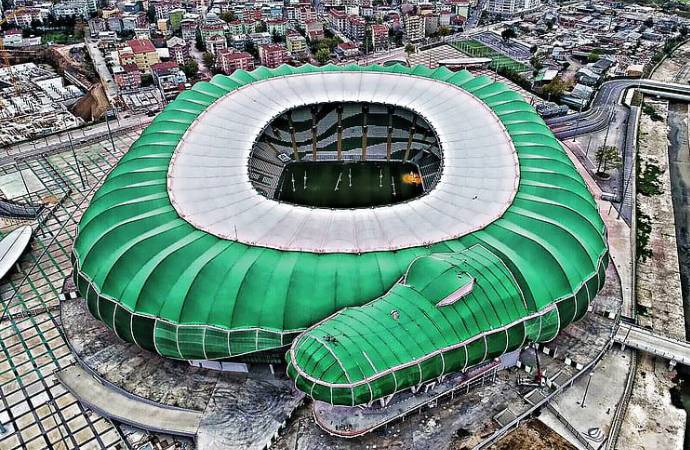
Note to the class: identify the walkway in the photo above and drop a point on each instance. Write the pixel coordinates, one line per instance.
(619, 238)
(128, 409)
(645, 340)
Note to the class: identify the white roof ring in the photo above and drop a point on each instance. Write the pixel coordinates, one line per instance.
(209, 185)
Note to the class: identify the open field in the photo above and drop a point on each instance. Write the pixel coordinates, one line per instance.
(499, 61)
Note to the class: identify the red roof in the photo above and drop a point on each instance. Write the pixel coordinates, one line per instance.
(130, 68)
(141, 46)
(164, 67)
(346, 46)
(231, 55)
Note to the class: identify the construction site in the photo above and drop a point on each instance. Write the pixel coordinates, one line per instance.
(34, 102)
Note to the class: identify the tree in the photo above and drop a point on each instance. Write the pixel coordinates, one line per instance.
(607, 157)
(594, 56)
(146, 80)
(199, 44)
(228, 16)
(409, 49)
(537, 62)
(649, 22)
(322, 55)
(209, 59)
(556, 87)
(191, 69)
(151, 13)
(443, 31)
(508, 34)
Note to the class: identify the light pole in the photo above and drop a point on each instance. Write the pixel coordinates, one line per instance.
(577, 122)
(584, 397)
(76, 162)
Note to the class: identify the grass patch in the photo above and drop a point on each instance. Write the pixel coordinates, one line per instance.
(498, 60)
(58, 37)
(648, 182)
(644, 228)
(651, 112)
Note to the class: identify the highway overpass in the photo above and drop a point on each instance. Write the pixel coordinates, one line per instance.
(674, 350)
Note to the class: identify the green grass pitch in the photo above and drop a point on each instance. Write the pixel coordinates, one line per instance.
(337, 184)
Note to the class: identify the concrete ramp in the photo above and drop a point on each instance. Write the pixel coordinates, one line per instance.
(112, 403)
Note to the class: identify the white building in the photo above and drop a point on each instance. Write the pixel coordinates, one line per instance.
(509, 8)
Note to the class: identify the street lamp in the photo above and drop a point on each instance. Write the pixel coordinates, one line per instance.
(584, 397)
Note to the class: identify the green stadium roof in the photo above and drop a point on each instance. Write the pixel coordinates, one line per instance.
(362, 325)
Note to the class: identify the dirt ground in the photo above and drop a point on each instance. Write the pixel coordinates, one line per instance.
(675, 69)
(529, 436)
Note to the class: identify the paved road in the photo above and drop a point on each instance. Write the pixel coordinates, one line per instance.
(655, 344)
(602, 106)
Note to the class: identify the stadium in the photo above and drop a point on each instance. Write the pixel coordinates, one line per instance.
(376, 227)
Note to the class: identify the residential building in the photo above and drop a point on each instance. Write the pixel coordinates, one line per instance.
(414, 27)
(272, 55)
(260, 38)
(176, 16)
(168, 77)
(212, 26)
(511, 8)
(179, 50)
(144, 52)
(356, 28)
(296, 44)
(23, 18)
(230, 60)
(276, 27)
(127, 77)
(379, 37)
(189, 26)
(314, 30)
(346, 50)
(216, 43)
(338, 19)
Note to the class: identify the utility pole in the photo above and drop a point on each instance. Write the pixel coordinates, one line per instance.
(110, 134)
(76, 162)
(577, 122)
(584, 397)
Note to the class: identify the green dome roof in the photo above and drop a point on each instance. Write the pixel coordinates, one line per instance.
(167, 286)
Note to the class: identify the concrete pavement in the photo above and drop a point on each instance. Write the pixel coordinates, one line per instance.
(647, 341)
(128, 409)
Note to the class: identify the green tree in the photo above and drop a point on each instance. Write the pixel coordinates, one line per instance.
(228, 16)
(607, 157)
(508, 34)
(209, 59)
(537, 62)
(191, 69)
(594, 56)
(322, 55)
(409, 49)
(146, 80)
(199, 44)
(556, 87)
(151, 13)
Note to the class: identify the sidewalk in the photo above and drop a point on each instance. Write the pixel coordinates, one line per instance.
(619, 238)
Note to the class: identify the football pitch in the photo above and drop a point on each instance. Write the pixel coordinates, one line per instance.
(337, 184)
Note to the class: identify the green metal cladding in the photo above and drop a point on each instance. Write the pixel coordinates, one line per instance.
(361, 326)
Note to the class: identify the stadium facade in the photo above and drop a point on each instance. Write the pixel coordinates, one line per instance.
(191, 248)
